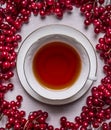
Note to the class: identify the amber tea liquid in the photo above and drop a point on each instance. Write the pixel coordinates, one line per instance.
(56, 65)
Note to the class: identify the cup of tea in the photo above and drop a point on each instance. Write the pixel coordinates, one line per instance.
(57, 66)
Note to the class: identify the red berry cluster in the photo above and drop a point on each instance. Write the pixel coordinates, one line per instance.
(98, 15)
(25, 7)
(15, 13)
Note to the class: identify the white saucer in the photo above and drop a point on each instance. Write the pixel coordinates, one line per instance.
(56, 29)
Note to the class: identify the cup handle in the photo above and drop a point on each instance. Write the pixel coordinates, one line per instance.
(93, 78)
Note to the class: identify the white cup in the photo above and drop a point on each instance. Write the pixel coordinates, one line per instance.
(63, 93)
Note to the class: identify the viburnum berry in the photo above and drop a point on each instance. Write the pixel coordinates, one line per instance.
(19, 98)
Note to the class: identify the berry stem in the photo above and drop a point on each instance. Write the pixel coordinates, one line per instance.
(1, 116)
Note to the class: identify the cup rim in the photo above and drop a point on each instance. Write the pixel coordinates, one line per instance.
(57, 94)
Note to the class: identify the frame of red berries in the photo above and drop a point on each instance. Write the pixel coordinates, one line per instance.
(15, 13)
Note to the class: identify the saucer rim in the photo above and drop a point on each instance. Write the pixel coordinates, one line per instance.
(31, 92)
